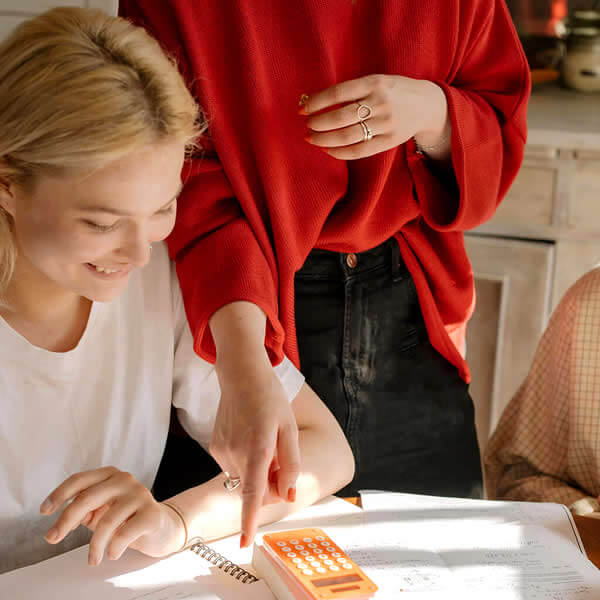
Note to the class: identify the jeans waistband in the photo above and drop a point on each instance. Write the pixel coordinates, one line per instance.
(326, 264)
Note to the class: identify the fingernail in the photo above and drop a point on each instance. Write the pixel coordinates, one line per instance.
(52, 534)
(292, 494)
(46, 506)
(243, 540)
(93, 559)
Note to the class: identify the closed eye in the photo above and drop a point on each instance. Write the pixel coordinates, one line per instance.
(100, 228)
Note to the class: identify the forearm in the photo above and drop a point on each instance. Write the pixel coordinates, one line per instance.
(238, 330)
(212, 512)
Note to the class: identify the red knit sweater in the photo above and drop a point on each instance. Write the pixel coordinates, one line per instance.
(261, 198)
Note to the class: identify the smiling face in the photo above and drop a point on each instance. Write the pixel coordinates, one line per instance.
(85, 234)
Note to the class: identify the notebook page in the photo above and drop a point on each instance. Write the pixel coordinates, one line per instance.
(183, 576)
(417, 550)
(555, 517)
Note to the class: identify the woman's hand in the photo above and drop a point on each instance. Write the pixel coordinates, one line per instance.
(394, 109)
(120, 511)
(255, 436)
(256, 439)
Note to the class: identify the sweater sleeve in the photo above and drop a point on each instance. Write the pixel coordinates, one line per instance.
(529, 457)
(487, 92)
(218, 256)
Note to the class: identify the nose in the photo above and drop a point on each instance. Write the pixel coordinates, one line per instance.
(136, 250)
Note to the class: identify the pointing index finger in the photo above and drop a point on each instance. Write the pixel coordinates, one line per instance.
(254, 485)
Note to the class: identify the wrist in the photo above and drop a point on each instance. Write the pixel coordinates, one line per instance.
(244, 371)
(435, 128)
(176, 527)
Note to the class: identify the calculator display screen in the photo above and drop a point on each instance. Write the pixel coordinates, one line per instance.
(336, 580)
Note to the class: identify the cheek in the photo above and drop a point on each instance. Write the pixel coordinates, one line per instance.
(57, 244)
(163, 228)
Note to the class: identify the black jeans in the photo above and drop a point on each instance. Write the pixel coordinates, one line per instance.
(365, 351)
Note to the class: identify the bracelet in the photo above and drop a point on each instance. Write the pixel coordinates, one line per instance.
(178, 512)
(423, 149)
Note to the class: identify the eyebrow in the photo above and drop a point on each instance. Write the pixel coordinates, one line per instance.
(123, 213)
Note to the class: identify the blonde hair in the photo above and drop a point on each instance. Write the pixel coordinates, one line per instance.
(79, 90)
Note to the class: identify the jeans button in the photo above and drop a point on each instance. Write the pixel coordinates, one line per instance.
(351, 260)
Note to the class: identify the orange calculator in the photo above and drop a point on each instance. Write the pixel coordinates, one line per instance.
(305, 564)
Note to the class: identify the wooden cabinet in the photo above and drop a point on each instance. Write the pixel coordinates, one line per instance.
(544, 236)
(512, 279)
(13, 12)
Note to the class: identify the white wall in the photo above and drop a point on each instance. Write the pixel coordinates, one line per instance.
(13, 12)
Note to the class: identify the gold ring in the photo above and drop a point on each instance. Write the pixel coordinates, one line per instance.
(367, 133)
(363, 112)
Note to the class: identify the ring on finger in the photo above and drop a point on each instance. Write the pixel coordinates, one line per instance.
(231, 483)
(363, 112)
(367, 133)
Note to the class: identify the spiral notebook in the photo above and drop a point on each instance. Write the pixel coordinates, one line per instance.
(217, 571)
(232, 569)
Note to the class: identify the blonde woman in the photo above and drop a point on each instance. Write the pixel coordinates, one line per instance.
(94, 343)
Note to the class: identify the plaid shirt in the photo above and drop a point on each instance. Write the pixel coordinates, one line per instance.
(547, 444)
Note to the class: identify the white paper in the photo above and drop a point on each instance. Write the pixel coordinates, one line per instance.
(457, 511)
(444, 547)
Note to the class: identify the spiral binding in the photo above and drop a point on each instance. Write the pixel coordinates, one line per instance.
(221, 562)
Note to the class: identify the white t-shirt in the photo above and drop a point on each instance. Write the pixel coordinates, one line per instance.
(106, 402)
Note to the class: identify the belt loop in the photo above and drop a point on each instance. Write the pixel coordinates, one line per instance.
(396, 271)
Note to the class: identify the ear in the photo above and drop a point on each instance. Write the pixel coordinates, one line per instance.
(7, 196)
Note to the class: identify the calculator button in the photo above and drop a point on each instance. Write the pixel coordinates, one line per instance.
(309, 558)
(302, 566)
(325, 544)
(304, 552)
(281, 543)
(334, 554)
(347, 566)
(323, 556)
(296, 560)
(315, 564)
(334, 568)
(293, 542)
(312, 545)
(291, 554)
(328, 562)
(286, 549)
(321, 570)
(319, 538)
(307, 540)
(299, 547)
(308, 572)
(330, 549)
(341, 560)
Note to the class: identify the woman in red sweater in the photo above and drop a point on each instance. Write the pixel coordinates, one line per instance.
(332, 231)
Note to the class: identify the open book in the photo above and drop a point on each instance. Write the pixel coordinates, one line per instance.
(417, 547)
